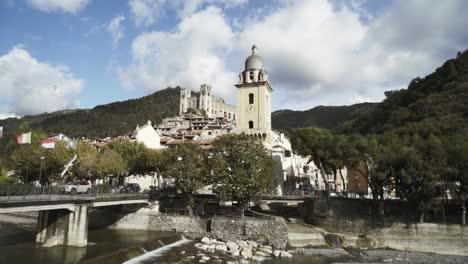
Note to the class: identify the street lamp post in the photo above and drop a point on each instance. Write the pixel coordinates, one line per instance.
(40, 170)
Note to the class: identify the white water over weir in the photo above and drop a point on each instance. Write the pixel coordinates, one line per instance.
(157, 253)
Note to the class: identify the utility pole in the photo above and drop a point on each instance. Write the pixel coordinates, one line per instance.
(40, 170)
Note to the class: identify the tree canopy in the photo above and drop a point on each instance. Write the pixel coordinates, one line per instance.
(240, 168)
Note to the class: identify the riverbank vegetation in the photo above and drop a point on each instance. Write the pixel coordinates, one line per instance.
(423, 171)
(414, 144)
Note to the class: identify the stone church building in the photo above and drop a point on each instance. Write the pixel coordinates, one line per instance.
(252, 116)
(213, 106)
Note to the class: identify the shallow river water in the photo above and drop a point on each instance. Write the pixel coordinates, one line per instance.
(17, 246)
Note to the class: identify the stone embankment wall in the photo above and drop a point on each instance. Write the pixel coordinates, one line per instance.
(357, 215)
(353, 220)
(146, 218)
(271, 232)
(436, 238)
(267, 231)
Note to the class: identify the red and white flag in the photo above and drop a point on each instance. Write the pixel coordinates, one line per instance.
(24, 138)
(48, 143)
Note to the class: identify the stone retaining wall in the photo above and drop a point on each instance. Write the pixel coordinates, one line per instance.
(435, 238)
(352, 219)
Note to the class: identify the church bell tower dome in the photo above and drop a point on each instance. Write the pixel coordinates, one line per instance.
(254, 62)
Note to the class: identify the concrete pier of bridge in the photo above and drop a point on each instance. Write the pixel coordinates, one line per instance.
(63, 227)
(63, 219)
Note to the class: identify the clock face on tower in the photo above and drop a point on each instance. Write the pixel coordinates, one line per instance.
(250, 108)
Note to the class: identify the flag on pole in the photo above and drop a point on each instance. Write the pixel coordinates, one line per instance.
(24, 138)
(48, 143)
(1, 131)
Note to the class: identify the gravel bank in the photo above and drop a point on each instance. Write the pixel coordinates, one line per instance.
(392, 256)
(384, 256)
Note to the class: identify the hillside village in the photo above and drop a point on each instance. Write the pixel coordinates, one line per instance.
(204, 117)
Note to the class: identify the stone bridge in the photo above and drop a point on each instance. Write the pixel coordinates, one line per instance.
(63, 219)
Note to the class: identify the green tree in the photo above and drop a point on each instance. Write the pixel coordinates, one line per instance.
(186, 164)
(26, 162)
(109, 163)
(85, 163)
(416, 171)
(136, 156)
(456, 147)
(240, 169)
(26, 158)
(4, 179)
(55, 160)
(315, 143)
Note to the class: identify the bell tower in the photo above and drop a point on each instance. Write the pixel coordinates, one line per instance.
(254, 95)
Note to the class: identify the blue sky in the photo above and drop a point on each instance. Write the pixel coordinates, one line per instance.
(59, 54)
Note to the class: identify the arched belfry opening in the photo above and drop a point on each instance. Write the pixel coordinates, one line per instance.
(251, 124)
(251, 98)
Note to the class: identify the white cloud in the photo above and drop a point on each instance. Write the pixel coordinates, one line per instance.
(147, 12)
(65, 6)
(116, 30)
(191, 55)
(316, 53)
(188, 7)
(31, 87)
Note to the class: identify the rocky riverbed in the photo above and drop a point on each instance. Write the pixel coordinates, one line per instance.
(245, 249)
(209, 250)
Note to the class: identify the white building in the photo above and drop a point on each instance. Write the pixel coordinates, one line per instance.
(148, 136)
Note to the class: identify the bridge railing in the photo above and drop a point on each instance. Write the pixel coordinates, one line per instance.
(29, 192)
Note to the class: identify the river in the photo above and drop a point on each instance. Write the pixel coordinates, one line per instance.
(17, 246)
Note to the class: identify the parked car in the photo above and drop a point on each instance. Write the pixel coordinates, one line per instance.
(131, 188)
(77, 187)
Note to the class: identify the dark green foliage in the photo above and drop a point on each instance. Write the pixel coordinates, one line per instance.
(137, 157)
(186, 164)
(105, 120)
(328, 117)
(241, 168)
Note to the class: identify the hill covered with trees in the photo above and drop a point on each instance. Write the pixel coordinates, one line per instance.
(437, 104)
(413, 144)
(327, 117)
(104, 120)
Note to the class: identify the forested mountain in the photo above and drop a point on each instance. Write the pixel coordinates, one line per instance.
(436, 104)
(328, 117)
(104, 120)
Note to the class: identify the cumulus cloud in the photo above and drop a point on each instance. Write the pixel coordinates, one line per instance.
(31, 87)
(315, 52)
(188, 7)
(147, 12)
(191, 55)
(65, 6)
(116, 30)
